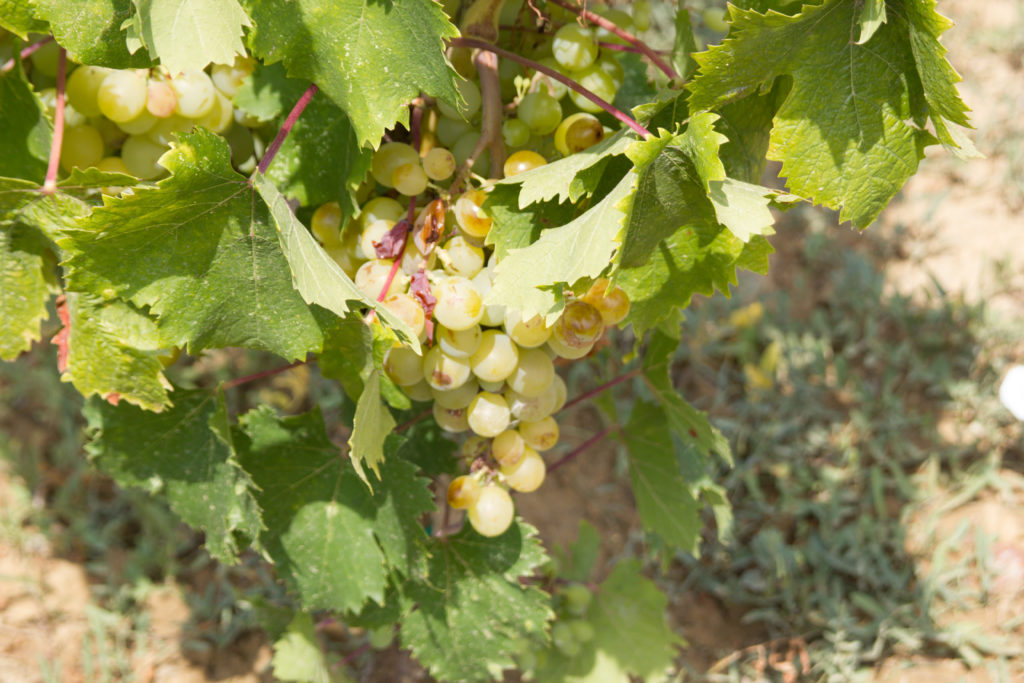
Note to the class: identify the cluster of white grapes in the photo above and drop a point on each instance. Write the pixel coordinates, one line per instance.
(486, 369)
(123, 120)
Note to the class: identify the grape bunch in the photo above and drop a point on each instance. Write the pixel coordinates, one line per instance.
(123, 120)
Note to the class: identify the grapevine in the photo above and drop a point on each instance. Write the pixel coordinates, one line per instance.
(443, 228)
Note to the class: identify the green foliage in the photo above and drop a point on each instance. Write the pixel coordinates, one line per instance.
(189, 34)
(91, 31)
(25, 146)
(25, 288)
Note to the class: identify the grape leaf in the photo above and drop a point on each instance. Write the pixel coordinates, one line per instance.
(298, 655)
(185, 453)
(631, 637)
(332, 540)
(371, 426)
(842, 131)
(18, 17)
(514, 227)
(663, 497)
(316, 276)
(190, 34)
(872, 15)
(472, 609)
(201, 251)
(636, 87)
(370, 57)
(742, 207)
(112, 351)
(553, 180)
(428, 447)
(323, 131)
(25, 143)
(91, 32)
(352, 350)
(581, 248)
(25, 287)
(747, 123)
(684, 45)
(695, 259)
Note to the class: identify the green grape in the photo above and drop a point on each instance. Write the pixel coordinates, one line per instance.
(613, 68)
(326, 224)
(463, 492)
(470, 215)
(381, 637)
(582, 630)
(579, 325)
(529, 334)
(390, 156)
(408, 310)
(715, 18)
(142, 123)
(613, 305)
(464, 146)
(420, 391)
(381, 208)
(462, 258)
(459, 343)
(453, 421)
(488, 414)
(493, 511)
(459, 305)
(467, 110)
(439, 164)
(494, 314)
(82, 87)
(574, 47)
(545, 83)
(46, 59)
(515, 133)
(508, 72)
(112, 135)
(563, 350)
(540, 112)
(522, 161)
(508, 448)
(403, 365)
(122, 95)
(195, 92)
(82, 148)
(528, 474)
(444, 373)
(372, 276)
(540, 435)
(163, 131)
(564, 640)
(578, 132)
(577, 599)
(596, 80)
(113, 165)
(561, 393)
(142, 157)
(618, 17)
(72, 117)
(229, 78)
(642, 14)
(531, 408)
(532, 374)
(459, 397)
(449, 130)
(409, 179)
(496, 358)
(493, 387)
(220, 117)
(373, 232)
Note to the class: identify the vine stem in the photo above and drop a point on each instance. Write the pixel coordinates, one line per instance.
(617, 47)
(9, 64)
(50, 184)
(289, 123)
(238, 381)
(398, 259)
(571, 455)
(547, 71)
(603, 387)
(413, 420)
(625, 35)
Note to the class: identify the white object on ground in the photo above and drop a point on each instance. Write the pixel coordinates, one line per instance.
(1011, 391)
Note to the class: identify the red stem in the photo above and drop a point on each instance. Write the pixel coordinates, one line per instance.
(616, 47)
(607, 385)
(398, 259)
(582, 447)
(628, 37)
(50, 184)
(238, 381)
(568, 82)
(289, 123)
(9, 64)
(413, 420)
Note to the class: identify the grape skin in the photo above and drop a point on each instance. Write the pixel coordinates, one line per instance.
(463, 492)
(493, 512)
(540, 435)
(496, 358)
(453, 421)
(488, 414)
(443, 372)
(533, 373)
(528, 474)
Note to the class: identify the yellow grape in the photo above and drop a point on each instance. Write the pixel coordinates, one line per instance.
(326, 224)
(579, 325)
(493, 511)
(444, 373)
(469, 214)
(460, 397)
(578, 132)
(613, 305)
(463, 492)
(82, 148)
(522, 161)
(409, 179)
(496, 358)
(508, 448)
(408, 310)
(403, 365)
(541, 434)
(528, 474)
(390, 156)
(439, 164)
(453, 421)
(488, 414)
(533, 373)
